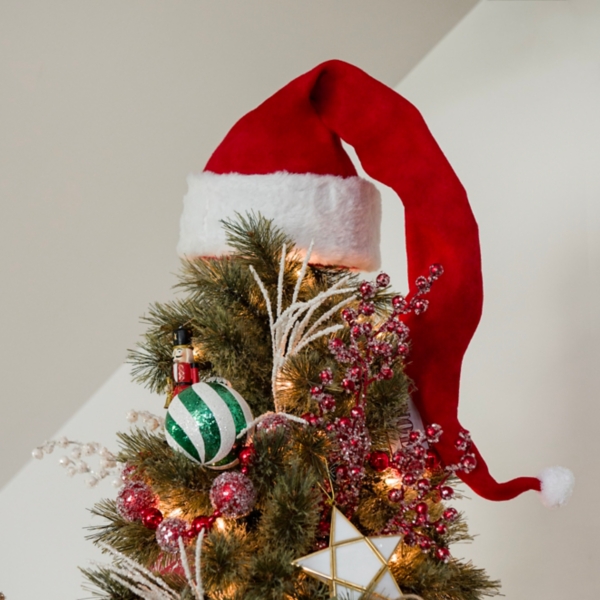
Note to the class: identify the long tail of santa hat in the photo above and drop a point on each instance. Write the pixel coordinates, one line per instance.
(285, 159)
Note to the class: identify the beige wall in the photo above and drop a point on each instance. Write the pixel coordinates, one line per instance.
(105, 106)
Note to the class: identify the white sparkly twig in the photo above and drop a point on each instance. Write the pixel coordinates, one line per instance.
(145, 584)
(75, 462)
(289, 333)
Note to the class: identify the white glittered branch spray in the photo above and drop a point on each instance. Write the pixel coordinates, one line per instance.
(145, 584)
(76, 461)
(290, 331)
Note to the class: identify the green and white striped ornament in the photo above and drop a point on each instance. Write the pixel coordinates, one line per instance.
(204, 420)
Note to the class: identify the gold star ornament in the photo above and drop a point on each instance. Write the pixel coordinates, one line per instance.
(354, 563)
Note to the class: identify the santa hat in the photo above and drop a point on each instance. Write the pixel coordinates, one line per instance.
(285, 160)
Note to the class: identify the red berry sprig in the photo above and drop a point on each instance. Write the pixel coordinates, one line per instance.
(412, 466)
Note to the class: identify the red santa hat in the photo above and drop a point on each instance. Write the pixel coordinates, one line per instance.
(285, 160)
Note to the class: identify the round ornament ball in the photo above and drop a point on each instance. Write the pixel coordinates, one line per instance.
(204, 420)
(168, 533)
(232, 494)
(133, 499)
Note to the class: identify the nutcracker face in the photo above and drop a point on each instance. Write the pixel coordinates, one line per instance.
(183, 354)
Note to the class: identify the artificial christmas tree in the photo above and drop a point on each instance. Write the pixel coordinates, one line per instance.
(288, 464)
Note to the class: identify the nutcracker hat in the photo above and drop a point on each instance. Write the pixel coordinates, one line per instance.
(285, 160)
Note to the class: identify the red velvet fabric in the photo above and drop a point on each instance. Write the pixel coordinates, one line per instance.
(298, 129)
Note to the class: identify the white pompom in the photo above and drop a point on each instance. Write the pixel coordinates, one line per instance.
(37, 453)
(557, 486)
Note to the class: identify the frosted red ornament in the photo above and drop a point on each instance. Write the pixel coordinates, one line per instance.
(169, 532)
(133, 499)
(233, 494)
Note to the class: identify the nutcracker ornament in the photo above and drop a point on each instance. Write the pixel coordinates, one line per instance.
(185, 370)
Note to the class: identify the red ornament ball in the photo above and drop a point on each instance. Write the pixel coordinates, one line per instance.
(169, 532)
(233, 494)
(133, 499)
(200, 523)
(441, 528)
(379, 461)
(246, 455)
(151, 517)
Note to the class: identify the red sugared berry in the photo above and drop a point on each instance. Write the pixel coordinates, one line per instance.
(348, 385)
(386, 373)
(357, 412)
(446, 492)
(442, 554)
(395, 495)
(422, 508)
(326, 376)
(450, 514)
(441, 528)
(383, 280)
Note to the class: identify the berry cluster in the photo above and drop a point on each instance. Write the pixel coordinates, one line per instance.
(413, 466)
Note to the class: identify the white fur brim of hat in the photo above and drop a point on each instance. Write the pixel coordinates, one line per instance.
(341, 215)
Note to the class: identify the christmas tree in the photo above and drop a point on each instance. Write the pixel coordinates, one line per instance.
(310, 444)
(319, 355)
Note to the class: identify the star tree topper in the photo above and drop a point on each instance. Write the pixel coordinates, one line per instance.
(354, 563)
